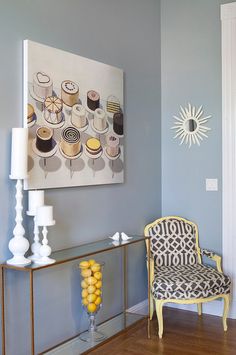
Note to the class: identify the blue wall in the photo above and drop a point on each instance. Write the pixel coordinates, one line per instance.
(126, 34)
(191, 72)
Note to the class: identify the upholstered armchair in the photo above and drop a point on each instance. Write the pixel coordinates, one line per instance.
(177, 273)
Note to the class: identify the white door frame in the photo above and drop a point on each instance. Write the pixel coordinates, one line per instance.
(228, 21)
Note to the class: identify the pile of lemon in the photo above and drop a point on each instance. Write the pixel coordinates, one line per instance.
(91, 285)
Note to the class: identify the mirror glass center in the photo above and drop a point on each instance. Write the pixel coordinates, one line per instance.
(190, 125)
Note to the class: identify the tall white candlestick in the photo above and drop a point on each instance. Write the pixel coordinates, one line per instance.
(19, 153)
(18, 245)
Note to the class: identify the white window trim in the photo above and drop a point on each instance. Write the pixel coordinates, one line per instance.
(228, 21)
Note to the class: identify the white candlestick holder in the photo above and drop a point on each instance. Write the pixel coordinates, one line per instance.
(35, 200)
(35, 246)
(18, 245)
(44, 218)
(45, 250)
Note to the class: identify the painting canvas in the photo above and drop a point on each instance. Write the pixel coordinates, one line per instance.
(73, 107)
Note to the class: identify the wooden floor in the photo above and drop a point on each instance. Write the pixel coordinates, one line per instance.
(185, 333)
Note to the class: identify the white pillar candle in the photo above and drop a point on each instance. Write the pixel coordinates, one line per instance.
(19, 153)
(44, 216)
(35, 200)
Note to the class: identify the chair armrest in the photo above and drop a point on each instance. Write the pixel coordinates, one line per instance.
(213, 256)
(151, 269)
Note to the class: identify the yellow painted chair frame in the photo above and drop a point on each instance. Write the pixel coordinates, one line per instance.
(160, 303)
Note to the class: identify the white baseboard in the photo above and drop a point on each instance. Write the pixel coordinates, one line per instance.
(213, 308)
(139, 308)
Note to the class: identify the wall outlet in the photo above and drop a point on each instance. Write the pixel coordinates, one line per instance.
(211, 184)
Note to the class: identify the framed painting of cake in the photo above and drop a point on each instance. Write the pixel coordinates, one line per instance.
(73, 107)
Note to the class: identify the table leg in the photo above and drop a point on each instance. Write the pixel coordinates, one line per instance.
(149, 270)
(125, 283)
(32, 311)
(3, 312)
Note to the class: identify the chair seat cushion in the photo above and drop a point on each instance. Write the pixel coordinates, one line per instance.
(189, 281)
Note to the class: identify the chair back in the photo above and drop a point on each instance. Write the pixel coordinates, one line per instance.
(174, 241)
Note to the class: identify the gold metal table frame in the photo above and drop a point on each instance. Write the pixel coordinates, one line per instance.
(65, 256)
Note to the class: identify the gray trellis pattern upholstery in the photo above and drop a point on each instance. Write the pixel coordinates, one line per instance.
(188, 281)
(207, 253)
(173, 243)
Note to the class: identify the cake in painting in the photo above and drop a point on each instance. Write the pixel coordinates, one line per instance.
(30, 113)
(69, 92)
(93, 100)
(44, 139)
(113, 104)
(118, 123)
(112, 145)
(93, 146)
(78, 116)
(70, 141)
(42, 85)
(99, 122)
(53, 109)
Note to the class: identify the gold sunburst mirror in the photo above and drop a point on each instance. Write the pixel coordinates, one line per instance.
(190, 126)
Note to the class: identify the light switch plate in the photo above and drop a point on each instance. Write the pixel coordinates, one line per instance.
(211, 184)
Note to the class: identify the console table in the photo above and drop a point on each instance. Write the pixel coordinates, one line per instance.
(118, 324)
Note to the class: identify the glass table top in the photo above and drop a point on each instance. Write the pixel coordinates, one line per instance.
(83, 250)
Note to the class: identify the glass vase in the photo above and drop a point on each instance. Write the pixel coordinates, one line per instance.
(91, 273)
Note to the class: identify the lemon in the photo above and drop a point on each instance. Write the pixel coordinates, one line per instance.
(98, 292)
(85, 301)
(91, 298)
(92, 262)
(98, 284)
(84, 284)
(91, 289)
(84, 264)
(91, 307)
(86, 272)
(91, 280)
(98, 275)
(95, 267)
(98, 301)
(84, 293)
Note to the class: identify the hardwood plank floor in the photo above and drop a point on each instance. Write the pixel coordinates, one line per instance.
(185, 333)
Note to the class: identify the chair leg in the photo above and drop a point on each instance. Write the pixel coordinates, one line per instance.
(151, 307)
(226, 311)
(199, 309)
(159, 305)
